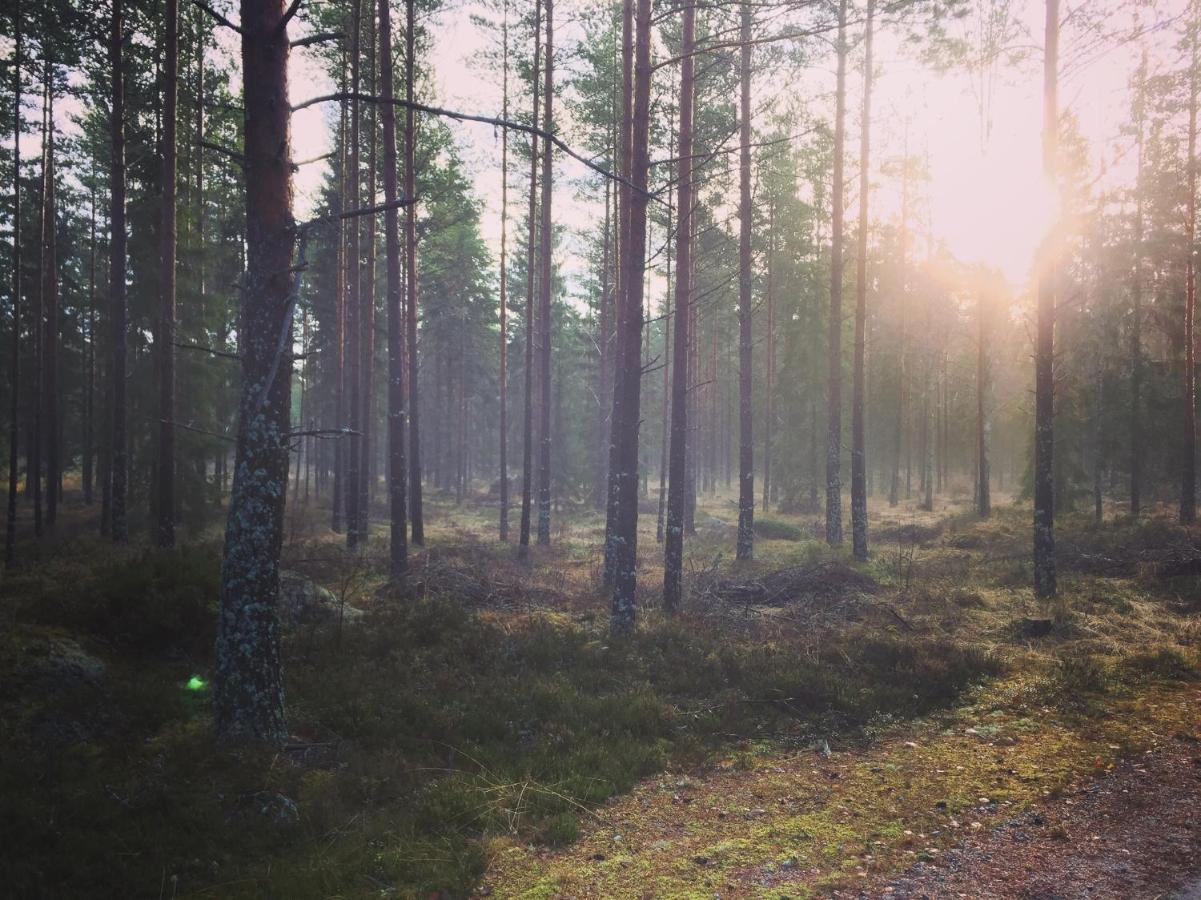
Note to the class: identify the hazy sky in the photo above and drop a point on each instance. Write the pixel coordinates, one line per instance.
(987, 204)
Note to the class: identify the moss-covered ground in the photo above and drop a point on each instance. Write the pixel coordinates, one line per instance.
(808, 722)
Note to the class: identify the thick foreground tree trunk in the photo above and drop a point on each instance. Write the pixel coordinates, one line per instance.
(248, 700)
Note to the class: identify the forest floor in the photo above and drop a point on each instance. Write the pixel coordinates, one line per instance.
(914, 726)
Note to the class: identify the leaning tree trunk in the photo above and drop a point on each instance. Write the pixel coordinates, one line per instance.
(398, 544)
(165, 337)
(1044, 371)
(417, 518)
(858, 436)
(629, 340)
(544, 290)
(673, 550)
(118, 462)
(10, 522)
(834, 350)
(248, 699)
(745, 546)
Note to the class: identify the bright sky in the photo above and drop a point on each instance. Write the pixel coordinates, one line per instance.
(986, 203)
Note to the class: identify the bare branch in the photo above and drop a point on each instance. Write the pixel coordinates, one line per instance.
(224, 151)
(203, 349)
(319, 38)
(216, 16)
(486, 120)
(289, 13)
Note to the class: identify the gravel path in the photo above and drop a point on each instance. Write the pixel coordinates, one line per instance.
(1132, 833)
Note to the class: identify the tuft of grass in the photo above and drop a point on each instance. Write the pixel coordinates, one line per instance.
(1162, 664)
(778, 530)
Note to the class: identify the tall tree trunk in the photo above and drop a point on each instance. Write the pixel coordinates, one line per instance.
(50, 305)
(89, 353)
(894, 485)
(745, 546)
(34, 464)
(661, 523)
(624, 168)
(1188, 479)
(338, 500)
(527, 423)
(354, 304)
(248, 700)
(415, 506)
(769, 397)
(165, 336)
(629, 341)
(367, 312)
(545, 289)
(503, 378)
(673, 551)
(398, 513)
(859, 388)
(119, 465)
(10, 522)
(834, 382)
(1136, 299)
(1044, 373)
(983, 425)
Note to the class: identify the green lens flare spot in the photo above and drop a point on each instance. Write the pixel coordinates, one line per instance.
(196, 683)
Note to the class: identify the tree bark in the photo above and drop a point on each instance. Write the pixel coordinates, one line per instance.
(624, 167)
(50, 307)
(834, 351)
(859, 388)
(503, 378)
(165, 336)
(527, 424)
(398, 540)
(673, 551)
(745, 546)
(10, 522)
(769, 397)
(353, 455)
(119, 465)
(545, 289)
(248, 701)
(629, 341)
(1044, 374)
(983, 425)
(367, 310)
(415, 506)
(1188, 479)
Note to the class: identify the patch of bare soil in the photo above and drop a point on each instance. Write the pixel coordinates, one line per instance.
(1132, 833)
